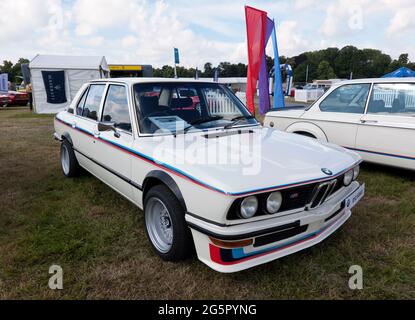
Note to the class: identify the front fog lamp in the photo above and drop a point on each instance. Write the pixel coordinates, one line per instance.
(249, 207)
(356, 171)
(274, 202)
(348, 178)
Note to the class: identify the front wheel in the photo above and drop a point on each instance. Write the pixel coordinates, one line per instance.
(166, 227)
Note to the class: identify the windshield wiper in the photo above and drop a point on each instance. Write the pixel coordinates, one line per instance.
(237, 120)
(201, 121)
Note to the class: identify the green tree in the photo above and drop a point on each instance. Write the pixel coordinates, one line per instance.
(325, 71)
(13, 70)
(208, 70)
(403, 59)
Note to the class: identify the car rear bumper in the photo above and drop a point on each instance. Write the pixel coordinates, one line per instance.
(238, 247)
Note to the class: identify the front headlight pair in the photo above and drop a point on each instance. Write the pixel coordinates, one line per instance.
(249, 206)
(351, 175)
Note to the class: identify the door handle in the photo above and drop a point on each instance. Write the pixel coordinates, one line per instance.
(368, 121)
(74, 124)
(96, 133)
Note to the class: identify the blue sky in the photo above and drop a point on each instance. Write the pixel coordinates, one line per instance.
(144, 31)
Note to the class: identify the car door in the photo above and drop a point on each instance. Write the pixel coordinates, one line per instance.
(113, 148)
(85, 124)
(339, 113)
(387, 130)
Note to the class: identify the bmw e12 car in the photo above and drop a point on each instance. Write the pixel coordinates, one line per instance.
(206, 174)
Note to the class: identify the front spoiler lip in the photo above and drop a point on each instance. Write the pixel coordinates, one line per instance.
(262, 227)
(283, 250)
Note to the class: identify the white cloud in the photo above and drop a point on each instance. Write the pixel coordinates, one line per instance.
(344, 17)
(92, 15)
(14, 19)
(303, 4)
(402, 21)
(144, 31)
(289, 39)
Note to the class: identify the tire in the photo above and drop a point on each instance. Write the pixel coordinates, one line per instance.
(173, 241)
(69, 163)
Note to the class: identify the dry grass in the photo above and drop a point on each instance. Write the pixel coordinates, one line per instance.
(99, 239)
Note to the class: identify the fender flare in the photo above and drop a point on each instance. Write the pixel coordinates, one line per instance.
(308, 127)
(156, 177)
(67, 136)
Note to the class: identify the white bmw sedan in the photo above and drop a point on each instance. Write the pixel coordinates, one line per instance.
(205, 173)
(374, 117)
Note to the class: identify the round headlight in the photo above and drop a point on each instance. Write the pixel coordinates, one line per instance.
(356, 171)
(274, 202)
(249, 207)
(348, 178)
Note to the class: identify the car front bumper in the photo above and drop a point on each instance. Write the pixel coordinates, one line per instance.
(238, 247)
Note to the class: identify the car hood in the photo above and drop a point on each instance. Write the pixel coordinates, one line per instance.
(250, 160)
(295, 112)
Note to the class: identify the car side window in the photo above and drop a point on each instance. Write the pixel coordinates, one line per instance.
(393, 99)
(116, 108)
(349, 98)
(93, 101)
(81, 103)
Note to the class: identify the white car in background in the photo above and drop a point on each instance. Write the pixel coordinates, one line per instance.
(375, 117)
(301, 192)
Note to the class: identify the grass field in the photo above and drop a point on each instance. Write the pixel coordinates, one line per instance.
(99, 239)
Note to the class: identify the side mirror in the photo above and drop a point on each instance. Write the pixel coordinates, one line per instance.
(106, 126)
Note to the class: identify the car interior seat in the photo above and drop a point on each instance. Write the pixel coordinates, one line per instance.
(397, 106)
(377, 106)
(183, 108)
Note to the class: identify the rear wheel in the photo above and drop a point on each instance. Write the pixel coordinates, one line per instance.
(166, 227)
(69, 163)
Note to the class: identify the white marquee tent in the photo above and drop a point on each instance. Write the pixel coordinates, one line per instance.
(70, 71)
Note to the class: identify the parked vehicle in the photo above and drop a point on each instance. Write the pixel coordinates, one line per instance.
(375, 117)
(301, 190)
(16, 98)
(4, 99)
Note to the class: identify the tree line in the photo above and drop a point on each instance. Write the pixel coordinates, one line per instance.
(329, 63)
(321, 64)
(14, 70)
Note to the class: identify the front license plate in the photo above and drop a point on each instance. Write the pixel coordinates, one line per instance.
(352, 200)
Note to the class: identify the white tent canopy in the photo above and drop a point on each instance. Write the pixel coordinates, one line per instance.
(77, 71)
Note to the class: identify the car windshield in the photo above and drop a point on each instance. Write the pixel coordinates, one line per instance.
(172, 107)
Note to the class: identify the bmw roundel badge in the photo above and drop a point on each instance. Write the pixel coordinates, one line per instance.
(327, 171)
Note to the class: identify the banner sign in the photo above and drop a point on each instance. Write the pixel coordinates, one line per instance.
(55, 86)
(25, 73)
(4, 82)
(259, 29)
(279, 101)
(256, 25)
(176, 56)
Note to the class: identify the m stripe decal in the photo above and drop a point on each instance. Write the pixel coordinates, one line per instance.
(382, 153)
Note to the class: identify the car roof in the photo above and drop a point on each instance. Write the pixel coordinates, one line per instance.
(150, 80)
(376, 80)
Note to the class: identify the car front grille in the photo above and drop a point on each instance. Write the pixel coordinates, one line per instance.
(321, 193)
(308, 196)
(296, 198)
